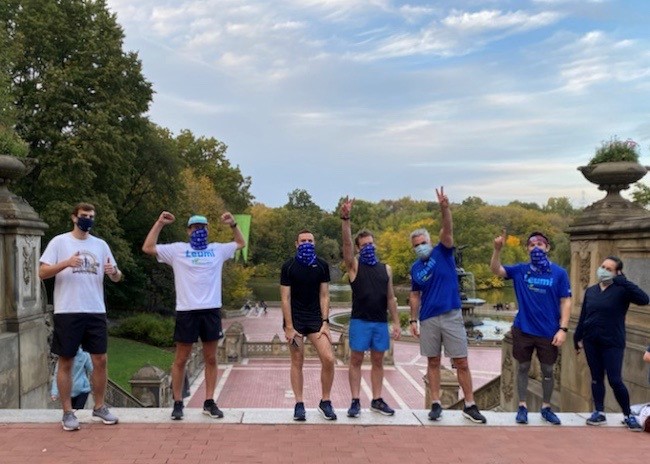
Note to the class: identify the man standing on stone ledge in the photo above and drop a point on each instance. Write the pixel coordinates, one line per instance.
(304, 290)
(79, 262)
(197, 269)
(372, 298)
(543, 296)
(435, 298)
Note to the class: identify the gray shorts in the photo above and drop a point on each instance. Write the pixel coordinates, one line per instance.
(448, 330)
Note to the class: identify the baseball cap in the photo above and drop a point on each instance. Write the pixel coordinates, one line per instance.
(197, 219)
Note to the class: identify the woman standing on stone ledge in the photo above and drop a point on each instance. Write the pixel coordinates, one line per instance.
(601, 332)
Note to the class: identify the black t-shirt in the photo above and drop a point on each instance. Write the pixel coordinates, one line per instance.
(305, 286)
(370, 293)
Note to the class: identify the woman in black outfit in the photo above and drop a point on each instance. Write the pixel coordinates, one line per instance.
(601, 332)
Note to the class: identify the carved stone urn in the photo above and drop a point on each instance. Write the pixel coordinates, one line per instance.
(11, 168)
(612, 177)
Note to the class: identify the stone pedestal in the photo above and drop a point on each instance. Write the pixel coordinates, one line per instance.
(24, 373)
(150, 385)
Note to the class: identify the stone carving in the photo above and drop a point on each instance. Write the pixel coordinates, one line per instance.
(29, 263)
(585, 270)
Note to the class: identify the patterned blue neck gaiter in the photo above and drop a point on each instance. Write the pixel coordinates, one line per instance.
(367, 255)
(199, 239)
(539, 261)
(306, 254)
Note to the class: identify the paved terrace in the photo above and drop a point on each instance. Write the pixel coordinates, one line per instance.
(258, 427)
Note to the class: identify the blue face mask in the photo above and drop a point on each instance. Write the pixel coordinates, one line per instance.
(199, 239)
(306, 254)
(367, 255)
(423, 250)
(604, 275)
(84, 223)
(539, 260)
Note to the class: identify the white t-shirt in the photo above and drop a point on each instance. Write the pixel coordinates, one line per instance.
(197, 273)
(79, 289)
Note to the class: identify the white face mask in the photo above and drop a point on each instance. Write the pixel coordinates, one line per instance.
(423, 250)
(603, 275)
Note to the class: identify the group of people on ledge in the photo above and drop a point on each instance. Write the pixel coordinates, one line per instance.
(79, 262)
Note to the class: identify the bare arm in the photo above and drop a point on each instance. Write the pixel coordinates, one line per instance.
(229, 219)
(495, 262)
(149, 245)
(285, 298)
(324, 296)
(414, 303)
(646, 356)
(447, 230)
(348, 247)
(392, 305)
(565, 314)
(46, 271)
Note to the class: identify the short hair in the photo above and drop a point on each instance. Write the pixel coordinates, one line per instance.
(419, 232)
(82, 207)
(540, 234)
(618, 261)
(361, 234)
(303, 231)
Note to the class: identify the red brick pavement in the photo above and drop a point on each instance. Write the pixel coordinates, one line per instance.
(186, 443)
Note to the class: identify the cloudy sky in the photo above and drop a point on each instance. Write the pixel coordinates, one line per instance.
(382, 99)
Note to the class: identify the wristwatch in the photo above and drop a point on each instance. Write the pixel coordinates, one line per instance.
(564, 329)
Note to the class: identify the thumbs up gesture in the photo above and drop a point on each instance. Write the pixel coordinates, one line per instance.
(109, 268)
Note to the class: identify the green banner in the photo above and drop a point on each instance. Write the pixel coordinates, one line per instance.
(244, 223)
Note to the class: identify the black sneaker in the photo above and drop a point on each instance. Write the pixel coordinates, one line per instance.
(299, 412)
(326, 409)
(436, 412)
(177, 413)
(210, 409)
(355, 408)
(380, 406)
(473, 414)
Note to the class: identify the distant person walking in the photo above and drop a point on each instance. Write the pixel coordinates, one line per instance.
(373, 298)
(601, 332)
(197, 266)
(544, 300)
(435, 298)
(304, 290)
(79, 261)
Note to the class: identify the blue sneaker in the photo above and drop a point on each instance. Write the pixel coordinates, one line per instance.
(522, 415)
(549, 416)
(299, 412)
(326, 409)
(632, 424)
(436, 411)
(355, 408)
(597, 418)
(380, 406)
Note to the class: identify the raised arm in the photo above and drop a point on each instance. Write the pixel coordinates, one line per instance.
(348, 247)
(495, 262)
(229, 219)
(149, 245)
(447, 230)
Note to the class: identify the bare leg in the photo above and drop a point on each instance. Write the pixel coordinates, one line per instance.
(99, 377)
(326, 355)
(211, 368)
(297, 360)
(354, 373)
(433, 374)
(464, 378)
(377, 373)
(64, 382)
(181, 356)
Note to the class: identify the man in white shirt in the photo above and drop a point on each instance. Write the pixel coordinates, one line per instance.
(79, 261)
(197, 269)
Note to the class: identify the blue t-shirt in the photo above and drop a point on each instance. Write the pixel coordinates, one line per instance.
(538, 298)
(437, 281)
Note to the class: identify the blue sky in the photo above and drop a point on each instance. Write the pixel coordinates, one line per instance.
(382, 99)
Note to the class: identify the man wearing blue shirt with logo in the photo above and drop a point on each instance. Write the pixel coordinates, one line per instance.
(543, 296)
(436, 298)
(197, 269)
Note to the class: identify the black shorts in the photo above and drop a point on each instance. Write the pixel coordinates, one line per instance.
(203, 323)
(74, 329)
(523, 345)
(305, 325)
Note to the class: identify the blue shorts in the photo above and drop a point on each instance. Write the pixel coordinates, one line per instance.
(366, 335)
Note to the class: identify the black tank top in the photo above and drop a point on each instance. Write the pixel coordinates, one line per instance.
(369, 293)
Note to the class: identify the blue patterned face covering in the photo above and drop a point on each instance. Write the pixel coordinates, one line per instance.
(199, 239)
(306, 254)
(539, 260)
(367, 255)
